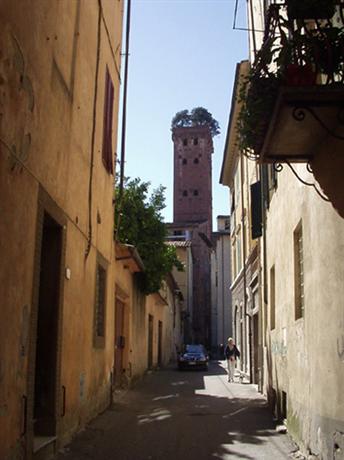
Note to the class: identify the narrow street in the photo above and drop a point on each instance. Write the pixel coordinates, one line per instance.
(183, 415)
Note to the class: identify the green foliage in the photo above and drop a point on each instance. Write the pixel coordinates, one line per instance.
(141, 224)
(198, 116)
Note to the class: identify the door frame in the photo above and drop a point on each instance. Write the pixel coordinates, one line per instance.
(45, 204)
(150, 349)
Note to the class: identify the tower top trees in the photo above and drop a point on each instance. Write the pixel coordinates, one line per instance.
(198, 116)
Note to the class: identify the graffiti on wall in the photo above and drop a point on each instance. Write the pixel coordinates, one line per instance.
(278, 348)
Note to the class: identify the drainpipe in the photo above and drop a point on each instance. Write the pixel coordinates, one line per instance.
(264, 297)
(124, 114)
(244, 267)
(223, 290)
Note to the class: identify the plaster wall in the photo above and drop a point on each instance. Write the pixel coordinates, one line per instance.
(305, 356)
(52, 71)
(138, 345)
(221, 296)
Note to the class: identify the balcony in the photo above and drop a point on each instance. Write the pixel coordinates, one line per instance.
(293, 97)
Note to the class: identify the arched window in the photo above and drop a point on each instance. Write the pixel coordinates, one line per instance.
(185, 142)
(184, 161)
(196, 161)
(185, 193)
(195, 141)
(195, 192)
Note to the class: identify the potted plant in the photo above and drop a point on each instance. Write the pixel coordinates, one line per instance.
(310, 9)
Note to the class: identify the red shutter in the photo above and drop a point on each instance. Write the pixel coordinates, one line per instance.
(108, 118)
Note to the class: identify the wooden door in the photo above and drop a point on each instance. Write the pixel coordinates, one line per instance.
(119, 340)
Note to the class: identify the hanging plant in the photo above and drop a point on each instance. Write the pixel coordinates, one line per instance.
(258, 96)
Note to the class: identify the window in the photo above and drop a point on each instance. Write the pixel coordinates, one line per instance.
(185, 142)
(99, 306)
(272, 299)
(185, 193)
(195, 192)
(107, 127)
(195, 141)
(299, 273)
(184, 161)
(196, 161)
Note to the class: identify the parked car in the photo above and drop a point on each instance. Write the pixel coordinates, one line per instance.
(194, 356)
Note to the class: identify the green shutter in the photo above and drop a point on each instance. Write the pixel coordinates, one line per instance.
(256, 210)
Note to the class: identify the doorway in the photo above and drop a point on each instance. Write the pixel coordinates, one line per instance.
(160, 344)
(45, 371)
(255, 348)
(150, 341)
(119, 341)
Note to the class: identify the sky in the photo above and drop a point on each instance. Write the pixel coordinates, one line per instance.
(183, 54)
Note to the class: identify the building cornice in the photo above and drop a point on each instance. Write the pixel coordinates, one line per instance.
(231, 152)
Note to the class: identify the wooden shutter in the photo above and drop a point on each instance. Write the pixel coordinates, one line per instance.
(108, 118)
(256, 210)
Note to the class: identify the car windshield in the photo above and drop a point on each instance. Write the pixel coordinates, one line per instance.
(194, 349)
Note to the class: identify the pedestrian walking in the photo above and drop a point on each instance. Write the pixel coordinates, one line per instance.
(232, 353)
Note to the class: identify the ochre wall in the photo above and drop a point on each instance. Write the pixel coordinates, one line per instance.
(48, 69)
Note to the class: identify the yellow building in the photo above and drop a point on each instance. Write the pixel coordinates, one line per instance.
(59, 77)
(147, 327)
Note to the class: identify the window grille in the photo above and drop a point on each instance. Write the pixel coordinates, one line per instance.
(100, 302)
(299, 273)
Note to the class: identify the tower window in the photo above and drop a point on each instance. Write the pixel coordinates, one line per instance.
(185, 193)
(196, 161)
(195, 192)
(185, 142)
(195, 141)
(185, 161)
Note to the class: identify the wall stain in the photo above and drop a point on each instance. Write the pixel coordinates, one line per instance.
(340, 347)
(17, 103)
(278, 348)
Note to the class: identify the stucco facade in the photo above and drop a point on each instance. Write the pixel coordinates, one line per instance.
(305, 350)
(56, 230)
(240, 174)
(221, 321)
(301, 249)
(184, 281)
(148, 328)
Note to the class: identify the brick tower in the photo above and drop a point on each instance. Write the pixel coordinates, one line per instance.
(192, 216)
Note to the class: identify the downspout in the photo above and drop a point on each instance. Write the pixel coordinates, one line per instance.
(265, 285)
(124, 116)
(244, 264)
(252, 27)
(223, 291)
